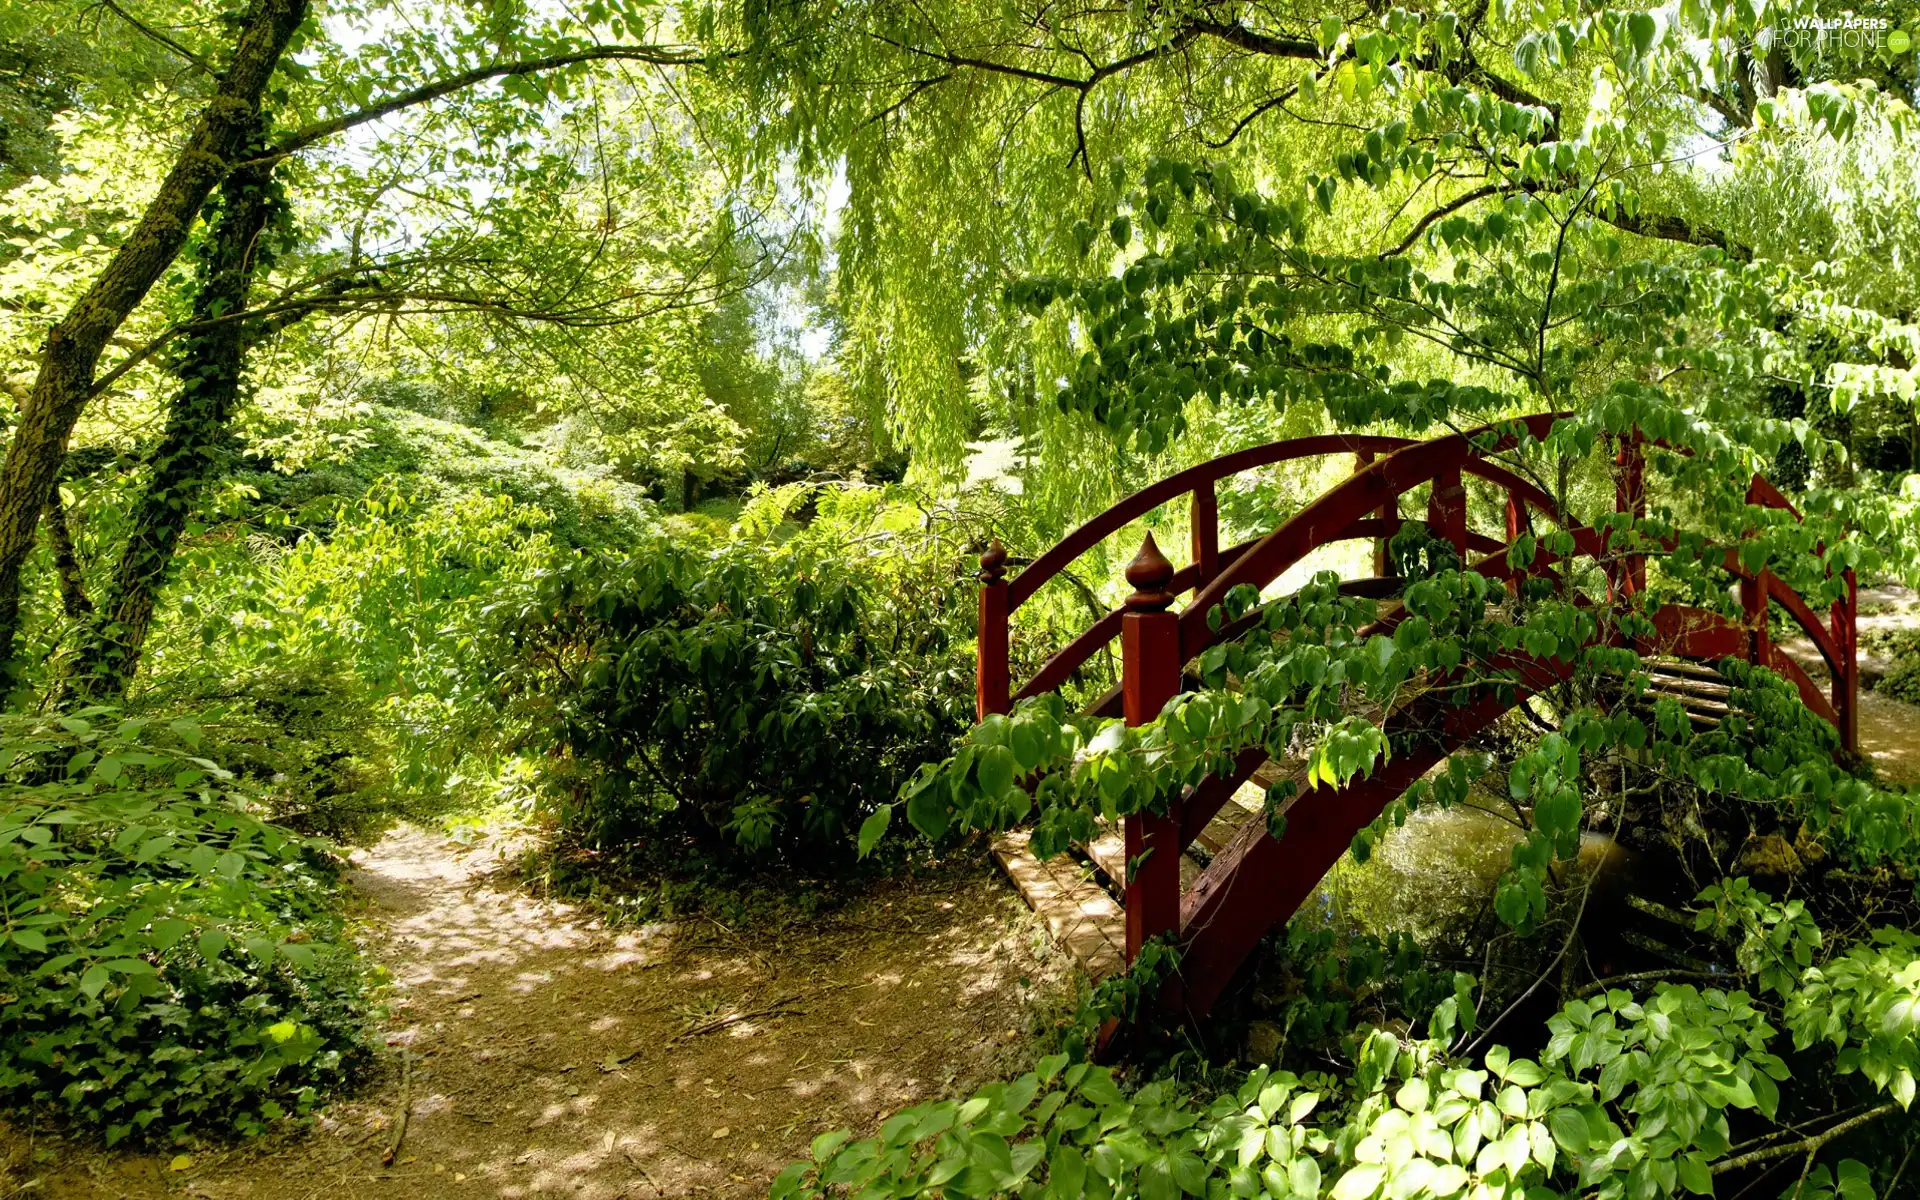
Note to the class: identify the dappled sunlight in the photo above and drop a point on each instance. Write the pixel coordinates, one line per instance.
(1887, 735)
(551, 1055)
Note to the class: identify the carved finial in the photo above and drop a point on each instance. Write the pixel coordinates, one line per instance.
(993, 564)
(1149, 573)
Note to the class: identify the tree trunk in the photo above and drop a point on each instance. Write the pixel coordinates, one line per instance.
(73, 347)
(210, 368)
(66, 564)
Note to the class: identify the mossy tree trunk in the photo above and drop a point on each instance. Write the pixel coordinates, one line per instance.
(73, 347)
(210, 368)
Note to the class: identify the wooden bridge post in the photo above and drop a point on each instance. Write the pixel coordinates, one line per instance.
(1753, 608)
(1627, 574)
(1846, 678)
(1388, 512)
(1204, 533)
(1447, 510)
(1150, 676)
(990, 672)
(1517, 525)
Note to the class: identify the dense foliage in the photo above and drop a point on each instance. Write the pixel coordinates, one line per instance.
(750, 694)
(170, 959)
(1651, 1095)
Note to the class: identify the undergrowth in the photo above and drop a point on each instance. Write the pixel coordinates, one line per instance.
(170, 961)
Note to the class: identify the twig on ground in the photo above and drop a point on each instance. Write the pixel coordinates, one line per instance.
(740, 943)
(781, 1007)
(400, 1113)
(637, 1165)
(882, 928)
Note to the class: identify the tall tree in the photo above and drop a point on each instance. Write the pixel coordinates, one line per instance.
(74, 346)
(454, 61)
(211, 362)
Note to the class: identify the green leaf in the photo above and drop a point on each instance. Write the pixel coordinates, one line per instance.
(1569, 1129)
(1695, 1175)
(211, 943)
(996, 768)
(1359, 1183)
(1642, 28)
(1066, 1173)
(874, 827)
(825, 1144)
(928, 812)
(93, 980)
(1156, 1181)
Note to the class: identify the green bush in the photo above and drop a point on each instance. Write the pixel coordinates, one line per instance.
(167, 958)
(1648, 1096)
(756, 696)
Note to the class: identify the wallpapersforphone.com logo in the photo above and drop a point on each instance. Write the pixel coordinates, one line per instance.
(1859, 34)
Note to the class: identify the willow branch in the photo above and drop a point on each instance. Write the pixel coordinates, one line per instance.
(307, 135)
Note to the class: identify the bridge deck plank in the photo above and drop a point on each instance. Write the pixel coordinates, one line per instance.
(1082, 917)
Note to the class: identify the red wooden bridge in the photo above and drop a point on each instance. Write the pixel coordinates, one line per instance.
(1222, 900)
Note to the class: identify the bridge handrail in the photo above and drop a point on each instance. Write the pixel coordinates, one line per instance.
(1403, 464)
(1207, 558)
(1157, 642)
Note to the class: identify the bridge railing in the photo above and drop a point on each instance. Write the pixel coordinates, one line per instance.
(1001, 597)
(1157, 642)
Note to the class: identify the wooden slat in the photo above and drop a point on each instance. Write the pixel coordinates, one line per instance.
(1108, 852)
(1245, 805)
(1082, 917)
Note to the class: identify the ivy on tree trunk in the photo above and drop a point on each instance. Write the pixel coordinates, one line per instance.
(64, 383)
(210, 369)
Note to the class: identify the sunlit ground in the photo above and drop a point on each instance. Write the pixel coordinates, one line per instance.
(555, 1057)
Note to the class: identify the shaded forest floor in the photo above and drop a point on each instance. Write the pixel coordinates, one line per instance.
(548, 1054)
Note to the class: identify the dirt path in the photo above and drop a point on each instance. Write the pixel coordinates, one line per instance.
(553, 1056)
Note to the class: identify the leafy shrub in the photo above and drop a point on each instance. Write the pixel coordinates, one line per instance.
(1630, 1097)
(1902, 683)
(344, 677)
(751, 696)
(300, 736)
(167, 957)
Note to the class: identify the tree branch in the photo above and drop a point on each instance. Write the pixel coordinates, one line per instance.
(1678, 229)
(307, 135)
(1452, 206)
(1235, 34)
(1808, 1146)
(66, 565)
(155, 35)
